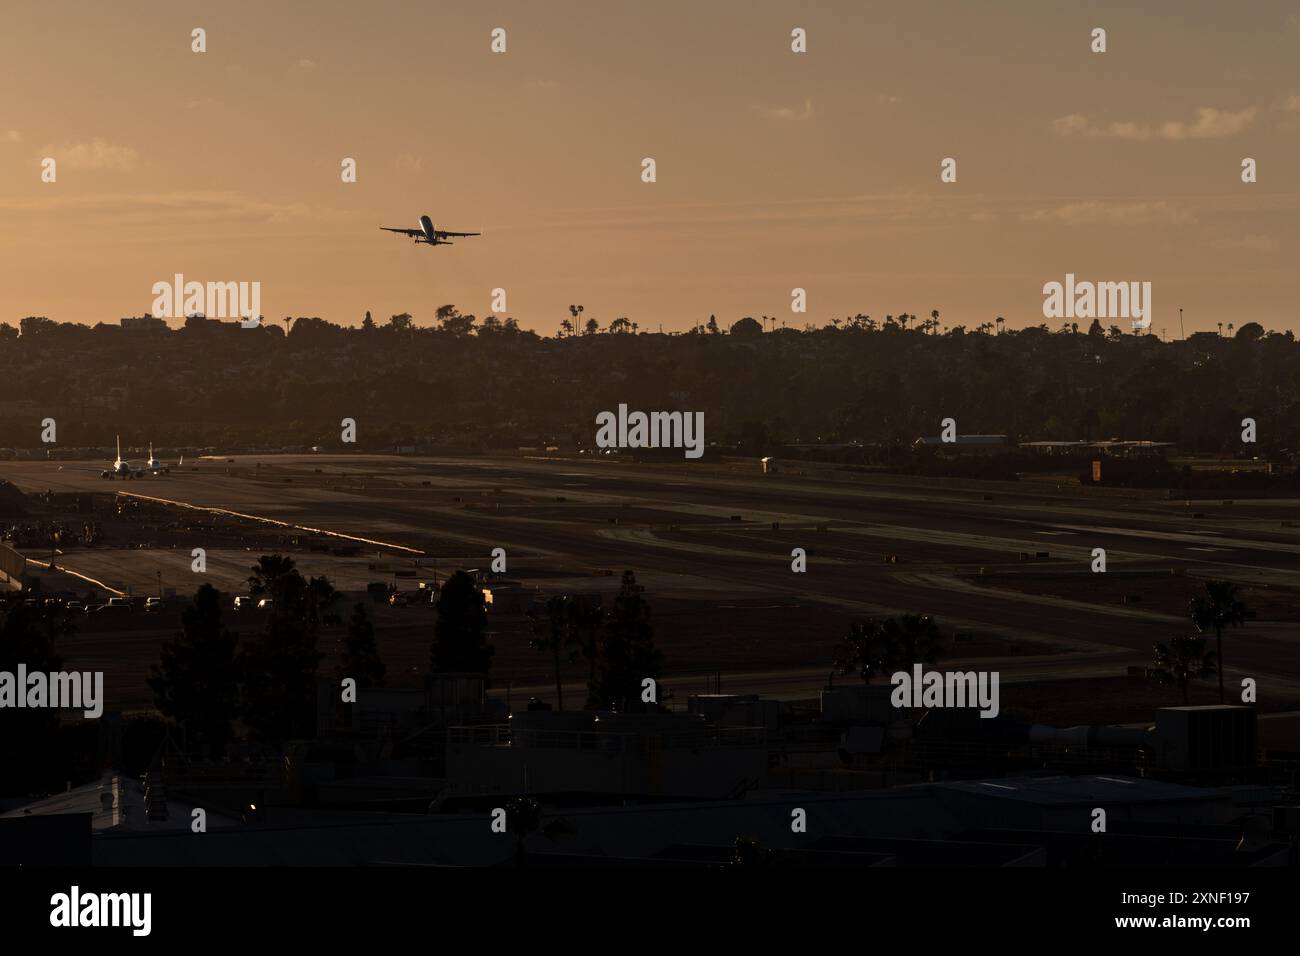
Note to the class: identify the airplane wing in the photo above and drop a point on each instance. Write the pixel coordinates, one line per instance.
(409, 232)
(443, 233)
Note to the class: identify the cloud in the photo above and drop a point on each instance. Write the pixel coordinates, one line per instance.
(1113, 213)
(1292, 103)
(96, 154)
(180, 208)
(1251, 243)
(1210, 123)
(789, 113)
(538, 83)
(13, 136)
(305, 64)
(407, 163)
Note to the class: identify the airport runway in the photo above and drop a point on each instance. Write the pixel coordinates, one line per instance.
(725, 530)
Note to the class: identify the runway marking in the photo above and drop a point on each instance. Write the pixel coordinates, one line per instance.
(952, 584)
(78, 574)
(274, 521)
(1183, 538)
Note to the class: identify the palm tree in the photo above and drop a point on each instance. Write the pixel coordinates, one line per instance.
(268, 572)
(1217, 609)
(1183, 660)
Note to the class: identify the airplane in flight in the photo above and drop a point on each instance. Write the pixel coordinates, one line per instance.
(426, 233)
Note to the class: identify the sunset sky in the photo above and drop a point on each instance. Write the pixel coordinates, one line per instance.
(775, 169)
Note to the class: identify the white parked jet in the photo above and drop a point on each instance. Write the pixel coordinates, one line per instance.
(121, 469)
(153, 465)
(426, 233)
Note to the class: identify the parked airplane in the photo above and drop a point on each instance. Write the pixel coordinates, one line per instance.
(153, 465)
(121, 469)
(426, 233)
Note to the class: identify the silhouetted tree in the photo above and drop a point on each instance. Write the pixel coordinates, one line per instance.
(360, 659)
(279, 665)
(29, 736)
(1182, 660)
(196, 681)
(746, 328)
(551, 629)
(884, 647)
(460, 635)
(524, 817)
(750, 852)
(626, 652)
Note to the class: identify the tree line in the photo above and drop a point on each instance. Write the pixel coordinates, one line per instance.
(491, 383)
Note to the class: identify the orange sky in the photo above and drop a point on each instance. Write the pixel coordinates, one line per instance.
(775, 170)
